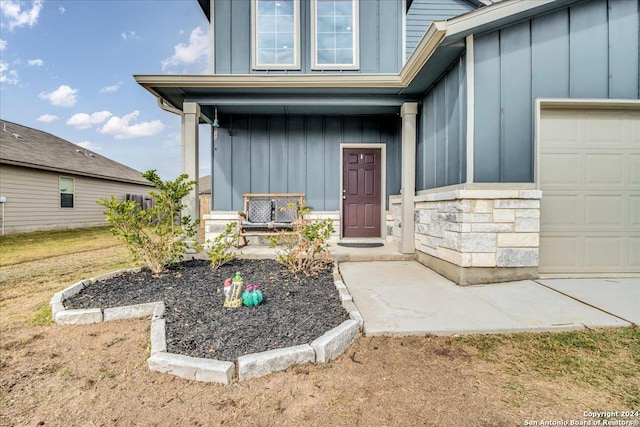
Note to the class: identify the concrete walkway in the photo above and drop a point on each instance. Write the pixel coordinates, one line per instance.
(406, 298)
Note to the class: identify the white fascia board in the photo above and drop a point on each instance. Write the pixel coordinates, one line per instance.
(271, 80)
(423, 51)
(466, 23)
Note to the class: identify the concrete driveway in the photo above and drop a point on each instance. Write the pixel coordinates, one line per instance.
(618, 296)
(406, 298)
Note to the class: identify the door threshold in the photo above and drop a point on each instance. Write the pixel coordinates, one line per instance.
(361, 242)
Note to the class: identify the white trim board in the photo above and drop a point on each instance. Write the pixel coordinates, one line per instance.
(469, 72)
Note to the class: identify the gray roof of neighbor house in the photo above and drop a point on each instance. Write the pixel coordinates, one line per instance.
(31, 148)
(204, 185)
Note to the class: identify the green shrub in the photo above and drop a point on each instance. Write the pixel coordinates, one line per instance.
(305, 249)
(158, 236)
(218, 251)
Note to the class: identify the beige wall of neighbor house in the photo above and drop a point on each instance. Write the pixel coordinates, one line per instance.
(589, 174)
(33, 199)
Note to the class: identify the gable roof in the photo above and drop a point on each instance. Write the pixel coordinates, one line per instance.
(204, 185)
(32, 148)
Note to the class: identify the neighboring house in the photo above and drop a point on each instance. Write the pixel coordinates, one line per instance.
(502, 140)
(204, 186)
(49, 183)
(204, 195)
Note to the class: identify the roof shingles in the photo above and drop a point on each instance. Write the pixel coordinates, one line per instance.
(32, 148)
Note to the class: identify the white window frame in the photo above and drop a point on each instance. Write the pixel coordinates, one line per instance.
(355, 65)
(60, 192)
(255, 65)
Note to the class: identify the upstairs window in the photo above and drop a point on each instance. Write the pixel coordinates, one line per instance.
(276, 34)
(67, 189)
(334, 34)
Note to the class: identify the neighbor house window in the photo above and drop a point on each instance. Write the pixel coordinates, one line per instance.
(334, 34)
(276, 34)
(67, 188)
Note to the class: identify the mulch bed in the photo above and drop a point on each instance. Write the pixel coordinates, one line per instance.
(295, 310)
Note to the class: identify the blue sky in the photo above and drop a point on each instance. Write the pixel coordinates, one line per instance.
(66, 67)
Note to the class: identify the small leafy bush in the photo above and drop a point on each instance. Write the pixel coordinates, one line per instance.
(219, 253)
(157, 236)
(305, 249)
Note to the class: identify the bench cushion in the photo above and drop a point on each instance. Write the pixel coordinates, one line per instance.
(265, 226)
(259, 210)
(284, 212)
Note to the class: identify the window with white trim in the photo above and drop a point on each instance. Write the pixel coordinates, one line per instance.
(67, 191)
(276, 34)
(334, 34)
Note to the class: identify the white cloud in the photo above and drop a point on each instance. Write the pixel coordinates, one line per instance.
(196, 51)
(120, 128)
(47, 118)
(36, 62)
(3, 44)
(111, 88)
(64, 96)
(89, 146)
(62, 10)
(129, 35)
(85, 121)
(12, 11)
(173, 140)
(6, 75)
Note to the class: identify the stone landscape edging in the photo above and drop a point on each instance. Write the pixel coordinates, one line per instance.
(322, 350)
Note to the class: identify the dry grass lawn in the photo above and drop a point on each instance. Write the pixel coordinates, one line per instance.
(97, 375)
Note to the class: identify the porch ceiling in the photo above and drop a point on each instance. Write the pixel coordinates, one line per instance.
(283, 100)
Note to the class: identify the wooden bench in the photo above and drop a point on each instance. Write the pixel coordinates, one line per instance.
(267, 214)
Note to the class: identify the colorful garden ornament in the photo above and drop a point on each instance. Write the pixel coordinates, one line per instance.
(232, 289)
(252, 295)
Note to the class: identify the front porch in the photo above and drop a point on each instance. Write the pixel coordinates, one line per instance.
(271, 137)
(389, 251)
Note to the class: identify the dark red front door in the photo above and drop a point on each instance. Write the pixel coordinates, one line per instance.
(361, 192)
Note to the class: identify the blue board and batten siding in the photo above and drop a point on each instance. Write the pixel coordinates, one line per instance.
(441, 146)
(423, 12)
(589, 50)
(296, 154)
(380, 37)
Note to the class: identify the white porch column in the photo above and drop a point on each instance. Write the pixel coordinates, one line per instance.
(408, 112)
(190, 122)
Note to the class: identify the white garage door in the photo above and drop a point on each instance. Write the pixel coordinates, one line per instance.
(590, 180)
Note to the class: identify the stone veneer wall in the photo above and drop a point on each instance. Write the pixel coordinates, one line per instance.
(395, 221)
(479, 236)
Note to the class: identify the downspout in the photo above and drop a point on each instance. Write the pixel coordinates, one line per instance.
(166, 107)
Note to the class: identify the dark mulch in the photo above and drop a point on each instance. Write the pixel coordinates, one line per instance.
(296, 309)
